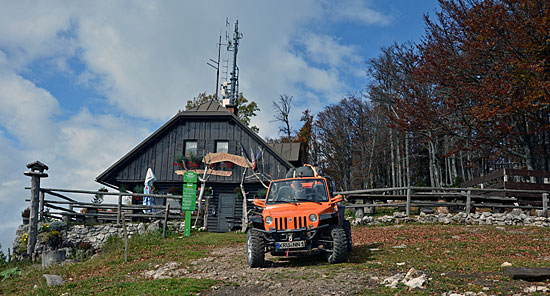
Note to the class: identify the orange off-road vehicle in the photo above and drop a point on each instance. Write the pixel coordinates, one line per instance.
(299, 214)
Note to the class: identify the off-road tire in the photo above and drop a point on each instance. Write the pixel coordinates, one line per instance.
(339, 245)
(347, 228)
(255, 248)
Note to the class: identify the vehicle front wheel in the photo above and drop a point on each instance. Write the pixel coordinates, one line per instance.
(339, 245)
(255, 248)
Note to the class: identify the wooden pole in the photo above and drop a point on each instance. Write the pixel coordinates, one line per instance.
(166, 220)
(244, 218)
(205, 221)
(408, 201)
(468, 202)
(37, 171)
(42, 205)
(545, 204)
(119, 209)
(125, 238)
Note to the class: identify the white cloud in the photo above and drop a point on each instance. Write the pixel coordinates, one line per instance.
(26, 110)
(30, 30)
(324, 49)
(356, 10)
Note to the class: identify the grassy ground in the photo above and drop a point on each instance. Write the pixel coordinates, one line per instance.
(455, 258)
(108, 274)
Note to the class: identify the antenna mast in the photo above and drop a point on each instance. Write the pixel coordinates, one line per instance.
(233, 45)
(217, 67)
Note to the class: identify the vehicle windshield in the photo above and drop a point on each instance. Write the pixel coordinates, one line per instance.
(297, 190)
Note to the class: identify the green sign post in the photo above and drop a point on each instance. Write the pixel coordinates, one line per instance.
(189, 198)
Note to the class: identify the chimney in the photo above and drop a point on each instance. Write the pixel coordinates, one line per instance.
(231, 108)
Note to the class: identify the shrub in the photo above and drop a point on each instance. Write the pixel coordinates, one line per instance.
(20, 247)
(44, 228)
(52, 238)
(2, 256)
(58, 226)
(10, 273)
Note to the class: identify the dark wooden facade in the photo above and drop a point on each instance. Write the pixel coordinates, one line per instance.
(206, 125)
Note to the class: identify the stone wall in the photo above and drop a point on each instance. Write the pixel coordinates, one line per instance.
(515, 217)
(92, 237)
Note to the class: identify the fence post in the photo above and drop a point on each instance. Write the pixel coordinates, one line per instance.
(545, 204)
(125, 238)
(119, 209)
(408, 201)
(36, 172)
(42, 205)
(468, 202)
(369, 210)
(166, 220)
(67, 218)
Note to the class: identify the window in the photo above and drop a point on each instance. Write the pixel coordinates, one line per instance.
(222, 146)
(190, 147)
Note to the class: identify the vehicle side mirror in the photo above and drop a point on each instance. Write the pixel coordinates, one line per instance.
(259, 203)
(338, 198)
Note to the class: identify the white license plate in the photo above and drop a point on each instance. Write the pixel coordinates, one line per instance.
(291, 245)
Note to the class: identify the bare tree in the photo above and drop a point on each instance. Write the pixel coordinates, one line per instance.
(282, 111)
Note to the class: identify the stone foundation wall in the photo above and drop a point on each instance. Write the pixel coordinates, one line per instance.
(96, 235)
(516, 217)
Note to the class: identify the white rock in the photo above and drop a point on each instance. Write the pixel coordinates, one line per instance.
(400, 247)
(55, 280)
(531, 289)
(506, 264)
(542, 289)
(141, 228)
(400, 263)
(392, 281)
(411, 274)
(416, 282)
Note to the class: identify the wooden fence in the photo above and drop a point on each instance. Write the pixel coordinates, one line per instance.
(54, 203)
(462, 198)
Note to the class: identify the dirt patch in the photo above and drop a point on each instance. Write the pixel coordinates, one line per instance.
(296, 275)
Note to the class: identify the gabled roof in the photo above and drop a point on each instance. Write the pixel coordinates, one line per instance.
(208, 109)
(290, 151)
(210, 106)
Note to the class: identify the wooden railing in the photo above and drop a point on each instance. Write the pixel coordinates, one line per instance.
(466, 198)
(69, 209)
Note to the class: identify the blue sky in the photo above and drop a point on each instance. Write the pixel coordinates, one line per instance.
(82, 83)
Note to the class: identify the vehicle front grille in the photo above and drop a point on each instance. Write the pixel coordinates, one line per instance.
(290, 222)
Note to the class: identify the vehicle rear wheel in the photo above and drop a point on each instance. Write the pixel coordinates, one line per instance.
(347, 228)
(339, 245)
(255, 248)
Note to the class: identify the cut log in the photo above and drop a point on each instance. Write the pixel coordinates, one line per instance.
(533, 274)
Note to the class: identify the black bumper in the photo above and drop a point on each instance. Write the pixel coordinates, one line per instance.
(301, 234)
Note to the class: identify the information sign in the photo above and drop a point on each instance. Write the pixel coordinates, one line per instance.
(189, 197)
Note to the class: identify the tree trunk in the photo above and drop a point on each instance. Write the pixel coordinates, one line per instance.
(407, 160)
(392, 160)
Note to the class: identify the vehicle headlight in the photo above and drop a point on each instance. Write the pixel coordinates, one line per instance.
(268, 220)
(313, 218)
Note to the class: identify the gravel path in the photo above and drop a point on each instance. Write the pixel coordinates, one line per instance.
(303, 275)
